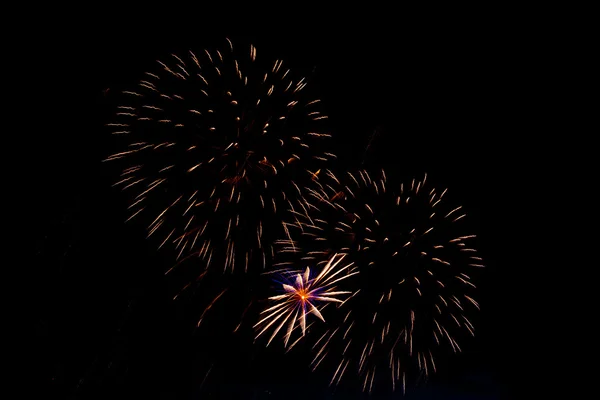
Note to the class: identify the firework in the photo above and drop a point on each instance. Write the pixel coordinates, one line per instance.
(412, 296)
(302, 295)
(213, 142)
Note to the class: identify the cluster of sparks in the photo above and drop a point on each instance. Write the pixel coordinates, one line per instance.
(410, 293)
(219, 147)
(207, 133)
(301, 294)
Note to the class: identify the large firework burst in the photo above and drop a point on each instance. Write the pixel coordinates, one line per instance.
(215, 141)
(302, 295)
(412, 296)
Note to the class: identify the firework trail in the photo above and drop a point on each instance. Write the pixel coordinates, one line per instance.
(302, 295)
(412, 297)
(214, 144)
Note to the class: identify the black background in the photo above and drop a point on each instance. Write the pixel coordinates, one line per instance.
(453, 100)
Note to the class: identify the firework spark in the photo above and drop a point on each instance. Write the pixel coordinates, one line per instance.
(301, 296)
(416, 267)
(208, 132)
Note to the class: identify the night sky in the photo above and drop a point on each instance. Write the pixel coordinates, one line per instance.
(437, 102)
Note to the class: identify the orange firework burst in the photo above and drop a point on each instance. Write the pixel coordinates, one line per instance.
(301, 296)
(416, 265)
(208, 132)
